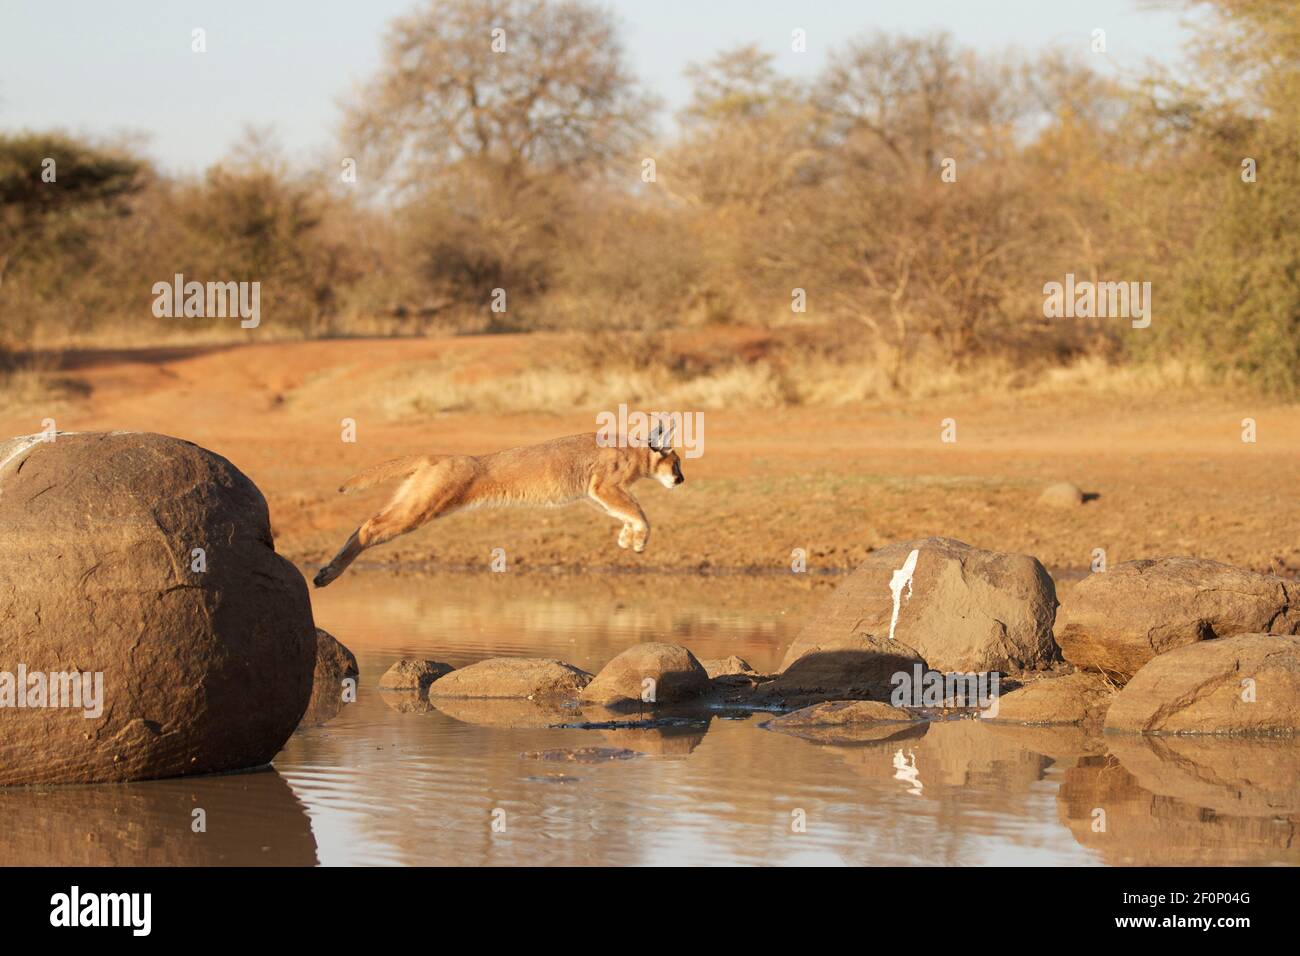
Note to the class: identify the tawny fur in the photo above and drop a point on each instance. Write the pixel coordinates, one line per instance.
(556, 472)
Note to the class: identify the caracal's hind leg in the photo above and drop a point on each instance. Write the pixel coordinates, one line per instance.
(424, 496)
(339, 563)
(619, 504)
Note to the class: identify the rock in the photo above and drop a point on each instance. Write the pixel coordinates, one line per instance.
(676, 675)
(202, 670)
(841, 713)
(966, 609)
(1073, 699)
(334, 664)
(1198, 689)
(1061, 495)
(512, 677)
(726, 667)
(852, 667)
(333, 660)
(660, 735)
(410, 674)
(1119, 619)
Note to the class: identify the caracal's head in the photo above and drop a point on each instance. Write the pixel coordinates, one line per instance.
(665, 465)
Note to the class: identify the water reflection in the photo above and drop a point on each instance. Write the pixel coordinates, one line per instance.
(1172, 801)
(251, 819)
(393, 779)
(905, 769)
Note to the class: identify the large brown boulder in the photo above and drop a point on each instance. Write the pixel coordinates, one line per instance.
(966, 609)
(1234, 685)
(206, 656)
(1076, 698)
(650, 673)
(1117, 620)
(512, 677)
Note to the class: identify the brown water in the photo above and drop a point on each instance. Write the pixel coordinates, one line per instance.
(376, 785)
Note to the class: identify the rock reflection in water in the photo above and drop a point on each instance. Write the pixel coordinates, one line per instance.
(504, 713)
(1187, 801)
(251, 819)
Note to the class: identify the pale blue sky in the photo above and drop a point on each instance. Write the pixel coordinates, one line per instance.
(118, 66)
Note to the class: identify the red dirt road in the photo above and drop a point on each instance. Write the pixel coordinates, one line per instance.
(1171, 473)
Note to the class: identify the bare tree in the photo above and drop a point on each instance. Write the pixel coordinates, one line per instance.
(519, 85)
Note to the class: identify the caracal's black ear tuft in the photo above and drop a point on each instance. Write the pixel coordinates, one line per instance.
(661, 438)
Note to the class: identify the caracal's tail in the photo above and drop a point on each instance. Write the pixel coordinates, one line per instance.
(387, 471)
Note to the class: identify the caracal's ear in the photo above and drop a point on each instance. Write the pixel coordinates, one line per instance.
(661, 439)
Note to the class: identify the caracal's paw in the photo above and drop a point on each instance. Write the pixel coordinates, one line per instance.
(625, 537)
(639, 539)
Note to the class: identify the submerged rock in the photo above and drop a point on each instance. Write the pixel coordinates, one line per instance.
(841, 713)
(648, 674)
(517, 677)
(335, 665)
(726, 667)
(1117, 620)
(960, 608)
(416, 675)
(583, 754)
(333, 660)
(1072, 699)
(1248, 684)
(148, 561)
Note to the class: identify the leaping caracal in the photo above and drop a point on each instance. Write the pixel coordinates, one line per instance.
(557, 472)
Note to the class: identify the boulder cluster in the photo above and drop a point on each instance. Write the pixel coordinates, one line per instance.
(1174, 645)
(1170, 646)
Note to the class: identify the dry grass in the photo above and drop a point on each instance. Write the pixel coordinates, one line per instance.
(435, 390)
(564, 374)
(689, 369)
(33, 383)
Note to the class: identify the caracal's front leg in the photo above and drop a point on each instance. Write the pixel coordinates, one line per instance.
(618, 503)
